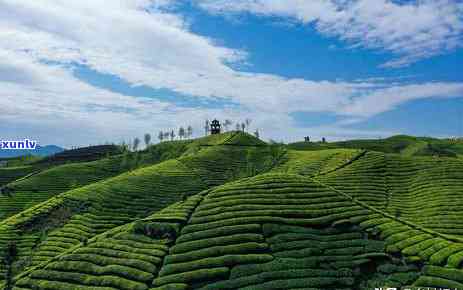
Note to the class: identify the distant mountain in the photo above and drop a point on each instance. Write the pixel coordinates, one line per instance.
(39, 151)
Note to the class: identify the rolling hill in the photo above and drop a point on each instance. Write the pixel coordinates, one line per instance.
(89, 153)
(400, 144)
(36, 181)
(229, 211)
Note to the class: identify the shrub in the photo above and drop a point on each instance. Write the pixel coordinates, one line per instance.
(156, 230)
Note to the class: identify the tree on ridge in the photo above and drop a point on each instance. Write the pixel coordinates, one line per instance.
(172, 135)
(147, 139)
(181, 132)
(136, 143)
(248, 122)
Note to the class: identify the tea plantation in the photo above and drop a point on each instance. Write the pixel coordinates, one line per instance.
(31, 184)
(9, 174)
(400, 144)
(229, 211)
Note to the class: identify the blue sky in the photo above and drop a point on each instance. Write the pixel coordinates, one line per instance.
(79, 73)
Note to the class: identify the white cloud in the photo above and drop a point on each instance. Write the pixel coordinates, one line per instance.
(413, 31)
(142, 43)
(389, 98)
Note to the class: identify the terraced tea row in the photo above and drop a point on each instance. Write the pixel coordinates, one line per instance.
(279, 231)
(269, 232)
(219, 164)
(311, 163)
(9, 174)
(323, 220)
(108, 204)
(363, 179)
(427, 191)
(424, 194)
(41, 186)
(282, 232)
(98, 207)
(127, 257)
(421, 246)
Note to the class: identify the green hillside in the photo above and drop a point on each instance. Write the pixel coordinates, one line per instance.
(401, 144)
(30, 190)
(90, 153)
(231, 212)
(17, 167)
(9, 174)
(31, 184)
(59, 223)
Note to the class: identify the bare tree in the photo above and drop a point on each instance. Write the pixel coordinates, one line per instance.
(181, 132)
(227, 123)
(248, 122)
(172, 135)
(238, 126)
(136, 143)
(206, 127)
(189, 131)
(161, 136)
(243, 126)
(166, 135)
(147, 139)
(256, 133)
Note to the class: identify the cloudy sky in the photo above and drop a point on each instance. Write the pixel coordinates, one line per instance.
(79, 72)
